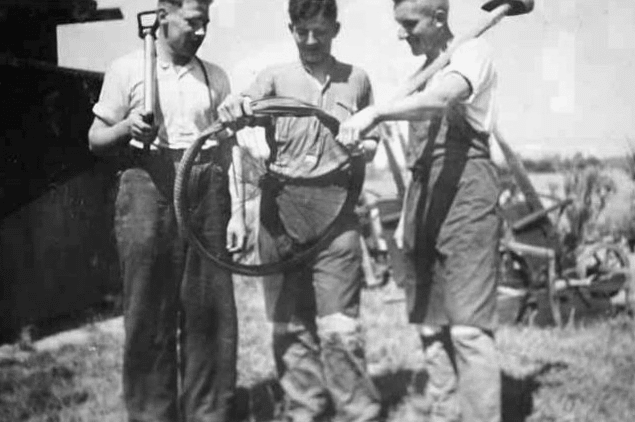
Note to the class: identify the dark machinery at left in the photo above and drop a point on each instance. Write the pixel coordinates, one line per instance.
(57, 254)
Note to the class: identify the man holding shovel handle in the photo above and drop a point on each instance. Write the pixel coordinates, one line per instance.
(152, 106)
(449, 229)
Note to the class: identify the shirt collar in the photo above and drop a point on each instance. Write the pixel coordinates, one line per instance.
(329, 67)
(165, 64)
(329, 71)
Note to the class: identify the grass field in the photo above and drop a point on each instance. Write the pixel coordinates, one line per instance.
(583, 373)
(578, 373)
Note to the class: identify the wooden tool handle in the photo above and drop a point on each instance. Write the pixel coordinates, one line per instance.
(417, 80)
(149, 79)
(149, 64)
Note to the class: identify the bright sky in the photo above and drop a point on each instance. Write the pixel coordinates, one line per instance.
(566, 70)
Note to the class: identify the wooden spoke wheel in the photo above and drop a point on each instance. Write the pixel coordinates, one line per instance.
(608, 270)
(599, 262)
(601, 284)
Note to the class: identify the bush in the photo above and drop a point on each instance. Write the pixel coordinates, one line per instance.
(603, 203)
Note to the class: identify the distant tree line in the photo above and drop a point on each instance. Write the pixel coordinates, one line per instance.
(557, 163)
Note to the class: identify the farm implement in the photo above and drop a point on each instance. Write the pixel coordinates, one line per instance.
(545, 277)
(539, 265)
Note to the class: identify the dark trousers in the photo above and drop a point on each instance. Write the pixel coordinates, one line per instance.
(170, 289)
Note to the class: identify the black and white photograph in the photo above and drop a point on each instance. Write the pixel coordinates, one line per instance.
(317, 210)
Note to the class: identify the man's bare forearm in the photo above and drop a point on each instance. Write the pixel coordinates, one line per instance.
(103, 138)
(414, 107)
(236, 183)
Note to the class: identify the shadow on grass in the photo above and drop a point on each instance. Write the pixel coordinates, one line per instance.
(263, 401)
(394, 386)
(517, 400)
(260, 402)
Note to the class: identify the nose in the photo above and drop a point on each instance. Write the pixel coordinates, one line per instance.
(402, 34)
(310, 38)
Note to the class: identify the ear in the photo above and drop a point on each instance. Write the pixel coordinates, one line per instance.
(337, 29)
(161, 16)
(440, 18)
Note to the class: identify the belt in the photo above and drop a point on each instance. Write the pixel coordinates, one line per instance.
(337, 177)
(204, 156)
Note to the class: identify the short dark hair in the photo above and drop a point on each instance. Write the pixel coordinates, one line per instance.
(306, 9)
(179, 3)
(444, 5)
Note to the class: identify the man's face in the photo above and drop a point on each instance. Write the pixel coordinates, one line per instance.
(418, 26)
(314, 38)
(185, 27)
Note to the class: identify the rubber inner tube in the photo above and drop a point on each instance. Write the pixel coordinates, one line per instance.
(275, 107)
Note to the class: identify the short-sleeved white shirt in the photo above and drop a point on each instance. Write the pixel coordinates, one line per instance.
(186, 105)
(473, 61)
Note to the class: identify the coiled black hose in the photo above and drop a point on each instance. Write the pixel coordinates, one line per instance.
(274, 107)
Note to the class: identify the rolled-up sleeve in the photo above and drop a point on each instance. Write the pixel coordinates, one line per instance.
(114, 100)
(262, 87)
(473, 61)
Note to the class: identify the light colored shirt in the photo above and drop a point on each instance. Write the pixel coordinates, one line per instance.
(303, 147)
(473, 61)
(186, 105)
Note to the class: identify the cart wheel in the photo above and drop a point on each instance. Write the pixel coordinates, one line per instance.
(599, 260)
(599, 285)
(608, 269)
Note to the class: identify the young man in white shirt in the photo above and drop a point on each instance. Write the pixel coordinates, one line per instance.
(167, 285)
